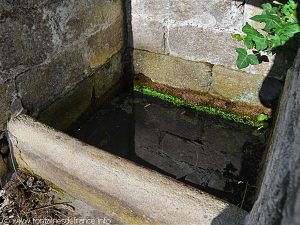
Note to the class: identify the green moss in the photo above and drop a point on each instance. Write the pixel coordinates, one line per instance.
(208, 110)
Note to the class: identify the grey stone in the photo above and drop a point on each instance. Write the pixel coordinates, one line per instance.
(105, 43)
(278, 200)
(67, 110)
(108, 76)
(71, 20)
(235, 85)
(151, 9)
(41, 85)
(224, 15)
(26, 40)
(172, 71)
(198, 44)
(148, 34)
(67, 162)
(8, 96)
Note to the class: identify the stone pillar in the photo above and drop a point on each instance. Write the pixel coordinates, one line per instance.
(279, 198)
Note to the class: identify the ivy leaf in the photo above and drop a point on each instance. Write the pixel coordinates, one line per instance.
(260, 41)
(244, 60)
(271, 21)
(268, 9)
(291, 29)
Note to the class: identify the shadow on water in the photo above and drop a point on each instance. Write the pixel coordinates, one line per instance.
(272, 85)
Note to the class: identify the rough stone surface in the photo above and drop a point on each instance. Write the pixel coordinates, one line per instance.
(107, 76)
(279, 197)
(65, 111)
(105, 43)
(150, 198)
(71, 20)
(217, 14)
(148, 34)
(9, 104)
(48, 47)
(204, 45)
(173, 71)
(41, 85)
(194, 30)
(3, 166)
(236, 85)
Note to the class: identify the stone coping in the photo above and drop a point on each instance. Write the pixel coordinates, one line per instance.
(120, 189)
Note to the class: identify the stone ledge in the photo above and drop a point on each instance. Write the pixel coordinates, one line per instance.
(172, 71)
(99, 178)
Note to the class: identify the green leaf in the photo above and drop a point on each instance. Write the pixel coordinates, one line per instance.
(259, 40)
(262, 117)
(237, 37)
(268, 9)
(253, 59)
(271, 21)
(244, 60)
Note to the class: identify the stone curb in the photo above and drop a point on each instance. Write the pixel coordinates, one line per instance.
(127, 192)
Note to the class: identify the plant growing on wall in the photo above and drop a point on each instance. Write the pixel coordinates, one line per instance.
(280, 25)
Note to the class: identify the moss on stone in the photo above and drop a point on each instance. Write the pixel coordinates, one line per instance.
(205, 109)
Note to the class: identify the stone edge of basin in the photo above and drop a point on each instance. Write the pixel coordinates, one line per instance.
(117, 187)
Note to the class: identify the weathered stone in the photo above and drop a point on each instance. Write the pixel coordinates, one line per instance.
(279, 197)
(41, 85)
(107, 76)
(71, 20)
(26, 40)
(8, 96)
(151, 9)
(3, 167)
(172, 71)
(204, 45)
(236, 85)
(65, 111)
(118, 188)
(218, 14)
(148, 34)
(105, 43)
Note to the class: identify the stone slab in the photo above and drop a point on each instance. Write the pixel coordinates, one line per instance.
(198, 44)
(236, 85)
(150, 198)
(148, 34)
(279, 197)
(223, 15)
(105, 43)
(107, 76)
(66, 110)
(41, 85)
(73, 20)
(172, 71)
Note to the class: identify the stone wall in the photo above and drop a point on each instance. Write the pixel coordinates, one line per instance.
(189, 46)
(48, 47)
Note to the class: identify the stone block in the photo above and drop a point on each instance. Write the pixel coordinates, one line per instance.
(105, 43)
(151, 9)
(236, 85)
(108, 76)
(204, 45)
(218, 14)
(26, 40)
(65, 111)
(172, 71)
(148, 34)
(71, 20)
(41, 85)
(7, 93)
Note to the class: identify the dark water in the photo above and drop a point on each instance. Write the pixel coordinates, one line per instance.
(215, 155)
